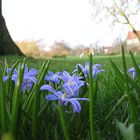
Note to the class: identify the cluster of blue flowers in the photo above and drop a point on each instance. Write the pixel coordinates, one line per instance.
(61, 86)
(28, 79)
(66, 92)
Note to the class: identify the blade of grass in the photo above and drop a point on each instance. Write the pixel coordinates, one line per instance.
(36, 106)
(56, 134)
(3, 106)
(10, 75)
(4, 88)
(133, 110)
(118, 73)
(63, 123)
(16, 100)
(91, 97)
(5, 111)
(41, 111)
(28, 104)
(117, 104)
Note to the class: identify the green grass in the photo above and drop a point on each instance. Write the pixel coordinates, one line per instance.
(116, 99)
(68, 63)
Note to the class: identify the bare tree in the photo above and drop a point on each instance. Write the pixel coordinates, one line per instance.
(120, 11)
(7, 45)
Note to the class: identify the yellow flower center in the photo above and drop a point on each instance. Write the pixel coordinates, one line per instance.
(64, 96)
(70, 83)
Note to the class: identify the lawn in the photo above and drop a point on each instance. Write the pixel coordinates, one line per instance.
(69, 63)
(112, 112)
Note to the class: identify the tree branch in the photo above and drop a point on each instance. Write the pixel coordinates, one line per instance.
(127, 20)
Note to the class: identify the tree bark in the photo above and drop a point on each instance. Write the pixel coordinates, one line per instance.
(7, 45)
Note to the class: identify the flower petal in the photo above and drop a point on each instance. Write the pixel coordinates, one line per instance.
(75, 105)
(48, 87)
(32, 72)
(51, 97)
(131, 70)
(5, 78)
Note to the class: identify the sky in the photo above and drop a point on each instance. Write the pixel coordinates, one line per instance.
(55, 20)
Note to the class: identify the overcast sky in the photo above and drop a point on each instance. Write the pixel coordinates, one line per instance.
(55, 20)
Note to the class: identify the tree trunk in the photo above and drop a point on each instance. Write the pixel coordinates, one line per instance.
(7, 45)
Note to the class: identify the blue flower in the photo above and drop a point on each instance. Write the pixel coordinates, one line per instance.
(8, 70)
(63, 97)
(72, 80)
(133, 72)
(72, 91)
(96, 70)
(28, 78)
(71, 83)
(53, 77)
(85, 69)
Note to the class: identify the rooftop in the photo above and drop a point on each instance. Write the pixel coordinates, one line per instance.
(131, 35)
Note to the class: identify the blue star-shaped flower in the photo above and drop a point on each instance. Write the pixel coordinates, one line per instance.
(85, 69)
(28, 78)
(133, 72)
(64, 97)
(53, 77)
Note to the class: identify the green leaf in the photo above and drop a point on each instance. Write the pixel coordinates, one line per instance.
(119, 78)
(16, 100)
(36, 106)
(91, 102)
(63, 123)
(29, 102)
(127, 132)
(133, 105)
(3, 106)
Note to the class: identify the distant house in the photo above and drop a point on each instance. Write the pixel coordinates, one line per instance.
(110, 50)
(132, 39)
(133, 42)
(107, 49)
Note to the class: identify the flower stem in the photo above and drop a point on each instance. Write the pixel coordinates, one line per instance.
(91, 97)
(62, 119)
